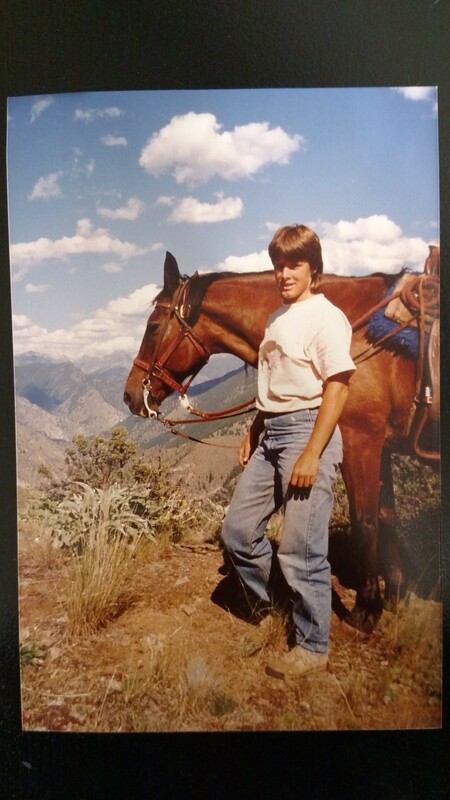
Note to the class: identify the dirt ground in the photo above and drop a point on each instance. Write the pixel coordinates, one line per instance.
(176, 660)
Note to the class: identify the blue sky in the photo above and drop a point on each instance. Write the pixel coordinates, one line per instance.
(100, 185)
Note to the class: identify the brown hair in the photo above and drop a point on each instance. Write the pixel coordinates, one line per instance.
(297, 243)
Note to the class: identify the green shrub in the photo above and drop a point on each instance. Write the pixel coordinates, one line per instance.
(75, 518)
(99, 461)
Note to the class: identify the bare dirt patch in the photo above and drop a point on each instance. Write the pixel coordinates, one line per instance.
(174, 660)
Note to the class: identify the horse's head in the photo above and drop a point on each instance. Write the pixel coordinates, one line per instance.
(170, 350)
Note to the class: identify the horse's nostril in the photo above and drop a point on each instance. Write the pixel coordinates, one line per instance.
(127, 398)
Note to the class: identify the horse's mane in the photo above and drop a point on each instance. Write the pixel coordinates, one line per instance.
(196, 289)
(198, 285)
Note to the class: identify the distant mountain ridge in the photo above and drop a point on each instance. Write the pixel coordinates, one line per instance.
(65, 390)
(218, 365)
(32, 357)
(56, 399)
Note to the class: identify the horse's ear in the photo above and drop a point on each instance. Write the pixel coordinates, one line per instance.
(171, 274)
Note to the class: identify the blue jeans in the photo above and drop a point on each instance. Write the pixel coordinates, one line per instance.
(303, 551)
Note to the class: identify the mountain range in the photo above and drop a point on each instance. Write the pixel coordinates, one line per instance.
(57, 398)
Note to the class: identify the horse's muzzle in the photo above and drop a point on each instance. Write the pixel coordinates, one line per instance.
(136, 408)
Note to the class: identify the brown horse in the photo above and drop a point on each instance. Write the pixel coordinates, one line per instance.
(195, 317)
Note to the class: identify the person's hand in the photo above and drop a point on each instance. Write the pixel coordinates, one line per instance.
(250, 442)
(246, 450)
(305, 471)
(248, 447)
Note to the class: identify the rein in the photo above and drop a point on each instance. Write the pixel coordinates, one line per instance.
(411, 295)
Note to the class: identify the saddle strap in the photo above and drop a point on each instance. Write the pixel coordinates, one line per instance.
(426, 405)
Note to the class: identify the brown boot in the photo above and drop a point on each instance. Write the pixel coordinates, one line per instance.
(297, 663)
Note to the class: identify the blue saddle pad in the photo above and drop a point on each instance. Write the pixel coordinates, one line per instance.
(404, 342)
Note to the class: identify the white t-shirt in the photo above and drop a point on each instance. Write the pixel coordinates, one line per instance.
(304, 344)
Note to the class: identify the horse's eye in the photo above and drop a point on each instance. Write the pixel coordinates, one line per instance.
(152, 327)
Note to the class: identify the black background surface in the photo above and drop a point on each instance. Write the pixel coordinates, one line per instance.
(88, 45)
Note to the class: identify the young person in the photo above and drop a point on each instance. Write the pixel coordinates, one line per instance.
(304, 367)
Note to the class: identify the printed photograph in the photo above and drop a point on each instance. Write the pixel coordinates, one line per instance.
(226, 359)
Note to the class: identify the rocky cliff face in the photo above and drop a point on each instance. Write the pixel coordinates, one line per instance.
(55, 401)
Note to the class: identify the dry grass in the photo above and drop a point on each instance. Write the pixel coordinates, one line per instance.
(172, 662)
(46, 554)
(94, 587)
(173, 688)
(178, 687)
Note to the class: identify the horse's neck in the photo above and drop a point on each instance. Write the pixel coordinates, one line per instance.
(235, 311)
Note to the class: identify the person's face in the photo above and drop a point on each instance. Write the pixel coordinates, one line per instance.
(293, 279)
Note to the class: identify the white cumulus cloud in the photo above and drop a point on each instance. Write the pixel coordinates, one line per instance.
(272, 226)
(26, 333)
(426, 94)
(47, 186)
(369, 244)
(36, 288)
(195, 148)
(91, 114)
(116, 327)
(114, 141)
(111, 267)
(416, 92)
(378, 227)
(252, 262)
(39, 106)
(192, 210)
(132, 209)
(165, 200)
(86, 239)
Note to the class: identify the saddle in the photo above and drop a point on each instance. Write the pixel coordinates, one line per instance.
(418, 308)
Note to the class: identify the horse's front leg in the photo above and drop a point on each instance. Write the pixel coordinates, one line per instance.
(361, 473)
(390, 561)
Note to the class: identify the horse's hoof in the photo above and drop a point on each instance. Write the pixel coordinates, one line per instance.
(362, 621)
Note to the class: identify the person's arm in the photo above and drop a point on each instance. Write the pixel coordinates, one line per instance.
(250, 442)
(307, 465)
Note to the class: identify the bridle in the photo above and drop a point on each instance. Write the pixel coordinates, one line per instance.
(179, 309)
(157, 369)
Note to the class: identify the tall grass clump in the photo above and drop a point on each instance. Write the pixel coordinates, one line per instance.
(102, 532)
